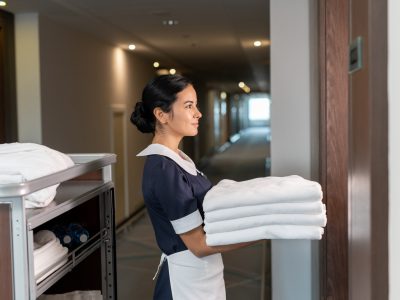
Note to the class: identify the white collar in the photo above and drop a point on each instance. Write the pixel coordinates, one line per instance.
(181, 159)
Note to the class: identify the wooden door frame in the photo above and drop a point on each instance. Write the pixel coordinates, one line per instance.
(338, 264)
(333, 44)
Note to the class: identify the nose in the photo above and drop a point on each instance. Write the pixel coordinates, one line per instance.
(197, 114)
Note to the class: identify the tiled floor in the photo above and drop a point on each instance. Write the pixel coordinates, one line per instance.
(247, 274)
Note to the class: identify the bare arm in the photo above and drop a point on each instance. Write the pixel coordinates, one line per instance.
(195, 241)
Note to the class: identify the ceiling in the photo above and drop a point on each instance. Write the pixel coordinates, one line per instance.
(213, 39)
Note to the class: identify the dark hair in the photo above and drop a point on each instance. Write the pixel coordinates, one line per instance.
(159, 92)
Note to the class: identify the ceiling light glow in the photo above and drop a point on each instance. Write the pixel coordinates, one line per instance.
(244, 87)
(223, 95)
(257, 43)
(131, 47)
(3, 3)
(170, 22)
(156, 64)
(172, 71)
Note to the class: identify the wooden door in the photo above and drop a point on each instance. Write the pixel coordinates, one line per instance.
(368, 155)
(120, 172)
(354, 150)
(334, 28)
(8, 110)
(6, 291)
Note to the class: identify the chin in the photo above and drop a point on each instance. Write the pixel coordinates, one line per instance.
(193, 133)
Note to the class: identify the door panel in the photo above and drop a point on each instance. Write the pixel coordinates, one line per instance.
(368, 188)
(119, 146)
(354, 145)
(8, 108)
(6, 292)
(334, 144)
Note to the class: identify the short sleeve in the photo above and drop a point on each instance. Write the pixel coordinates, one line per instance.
(174, 192)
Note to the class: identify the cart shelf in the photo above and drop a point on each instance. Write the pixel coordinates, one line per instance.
(85, 195)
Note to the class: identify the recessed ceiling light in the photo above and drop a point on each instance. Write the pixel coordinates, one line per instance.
(223, 95)
(257, 43)
(241, 84)
(3, 3)
(170, 22)
(131, 47)
(156, 64)
(172, 71)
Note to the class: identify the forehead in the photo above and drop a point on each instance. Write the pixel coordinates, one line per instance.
(187, 94)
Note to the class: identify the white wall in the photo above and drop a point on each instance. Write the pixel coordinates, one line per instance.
(394, 148)
(81, 77)
(28, 77)
(294, 134)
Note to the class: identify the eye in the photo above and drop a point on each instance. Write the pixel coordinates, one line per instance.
(190, 106)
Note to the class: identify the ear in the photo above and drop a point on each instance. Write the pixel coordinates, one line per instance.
(160, 115)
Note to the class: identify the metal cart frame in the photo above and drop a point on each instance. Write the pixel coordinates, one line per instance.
(71, 193)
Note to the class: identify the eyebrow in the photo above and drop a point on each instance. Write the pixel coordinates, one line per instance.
(188, 101)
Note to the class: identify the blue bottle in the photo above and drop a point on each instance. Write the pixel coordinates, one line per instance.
(79, 235)
(62, 234)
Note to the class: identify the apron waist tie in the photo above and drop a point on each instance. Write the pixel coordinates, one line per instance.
(163, 258)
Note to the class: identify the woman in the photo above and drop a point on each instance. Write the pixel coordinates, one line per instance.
(174, 190)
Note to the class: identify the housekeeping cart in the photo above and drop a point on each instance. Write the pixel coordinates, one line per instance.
(86, 197)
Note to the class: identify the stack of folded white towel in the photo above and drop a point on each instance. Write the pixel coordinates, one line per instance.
(263, 208)
(75, 295)
(20, 162)
(48, 254)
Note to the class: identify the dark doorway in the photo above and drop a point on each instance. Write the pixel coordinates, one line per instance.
(8, 107)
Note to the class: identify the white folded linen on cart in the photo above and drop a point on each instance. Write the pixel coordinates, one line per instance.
(307, 208)
(20, 162)
(75, 295)
(265, 232)
(229, 193)
(258, 221)
(48, 254)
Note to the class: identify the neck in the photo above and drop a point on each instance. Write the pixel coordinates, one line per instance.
(167, 141)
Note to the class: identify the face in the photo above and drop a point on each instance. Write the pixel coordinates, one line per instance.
(183, 119)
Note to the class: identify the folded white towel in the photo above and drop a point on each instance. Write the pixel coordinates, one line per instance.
(48, 254)
(265, 232)
(229, 193)
(21, 162)
(51, 270)
(75, 295)
(258, 221)
(11, 177)
(306, 208)
(43, 263)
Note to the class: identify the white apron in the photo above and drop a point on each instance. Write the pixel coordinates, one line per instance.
(195, 278)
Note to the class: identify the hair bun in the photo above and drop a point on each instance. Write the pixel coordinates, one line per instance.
(140, 108)
(140, 118)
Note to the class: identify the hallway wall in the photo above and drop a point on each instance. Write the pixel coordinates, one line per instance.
(294, 134)
(80, 78)
(394, 148)
(27, 68)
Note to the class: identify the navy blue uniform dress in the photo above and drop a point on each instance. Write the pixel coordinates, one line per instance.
(174, 199)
